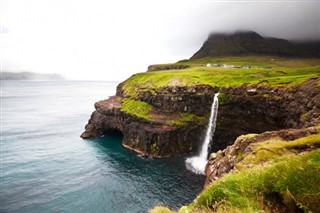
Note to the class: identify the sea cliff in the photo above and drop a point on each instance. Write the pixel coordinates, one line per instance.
(265, 150)
(276, 101)
(164, 113)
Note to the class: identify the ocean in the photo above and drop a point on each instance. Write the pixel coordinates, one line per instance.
(47, 167)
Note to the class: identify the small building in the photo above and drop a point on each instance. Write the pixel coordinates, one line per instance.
(228, 66)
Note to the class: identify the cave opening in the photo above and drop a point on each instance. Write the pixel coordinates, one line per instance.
(113, 132)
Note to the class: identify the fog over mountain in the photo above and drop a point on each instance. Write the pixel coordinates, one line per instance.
(251, 43)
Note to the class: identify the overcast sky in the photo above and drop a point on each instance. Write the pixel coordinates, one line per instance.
(111, 40)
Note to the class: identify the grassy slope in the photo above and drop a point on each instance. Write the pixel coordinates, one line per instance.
(258, 61)
(276, 72)
(279, 71)
(135, 107)
(274, 170)
(295, 179)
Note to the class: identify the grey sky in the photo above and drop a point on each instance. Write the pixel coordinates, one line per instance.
(111, 40)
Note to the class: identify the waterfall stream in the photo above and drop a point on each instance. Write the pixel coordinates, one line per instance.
(198, 163)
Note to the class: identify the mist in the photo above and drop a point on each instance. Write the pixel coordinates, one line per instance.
(98, 40)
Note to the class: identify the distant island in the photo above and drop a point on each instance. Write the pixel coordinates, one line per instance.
(29, 76)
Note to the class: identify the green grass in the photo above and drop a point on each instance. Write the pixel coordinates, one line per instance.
(143, 110)
(275, 148)
(138, 108)
(295, 179)
(276, 173)
(188, 117)
(281, 72)
(254, 61)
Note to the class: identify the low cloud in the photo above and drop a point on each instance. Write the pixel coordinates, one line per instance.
(89, 39)
(288, 20)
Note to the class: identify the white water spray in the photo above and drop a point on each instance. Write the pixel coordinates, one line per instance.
(197, 164)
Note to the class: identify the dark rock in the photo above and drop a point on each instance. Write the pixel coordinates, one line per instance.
(166, 67)
(196, 99)
(241, 112)
(154, 138)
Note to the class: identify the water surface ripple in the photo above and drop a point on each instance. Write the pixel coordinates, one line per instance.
(47, 167)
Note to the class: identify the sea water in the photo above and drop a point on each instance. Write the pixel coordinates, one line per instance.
(46, 167)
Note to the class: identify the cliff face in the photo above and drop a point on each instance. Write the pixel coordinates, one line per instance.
(259, 108)
(164, 112)
(170, 128)
(177, 117)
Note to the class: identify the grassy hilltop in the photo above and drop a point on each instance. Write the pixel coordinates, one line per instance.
(267, 70)
(273, 71)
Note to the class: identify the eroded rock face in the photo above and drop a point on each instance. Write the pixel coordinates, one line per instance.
(244, 109)
(160, 141)
(106, 119)
(259, 108)
(223, 162)
(196, 99)
(154, 138)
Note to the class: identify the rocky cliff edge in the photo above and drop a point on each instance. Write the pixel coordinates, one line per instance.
(164, 113)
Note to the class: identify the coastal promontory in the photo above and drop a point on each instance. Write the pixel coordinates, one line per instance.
(164, 112)
(267, 123)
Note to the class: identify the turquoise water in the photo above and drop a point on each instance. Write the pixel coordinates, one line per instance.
(47, 167)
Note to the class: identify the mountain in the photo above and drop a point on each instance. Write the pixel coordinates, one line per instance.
(251, 43)
(29, 76)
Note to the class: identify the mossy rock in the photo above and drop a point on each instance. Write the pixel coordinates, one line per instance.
(135, 107)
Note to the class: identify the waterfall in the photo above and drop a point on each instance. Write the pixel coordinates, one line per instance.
(198, 163)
